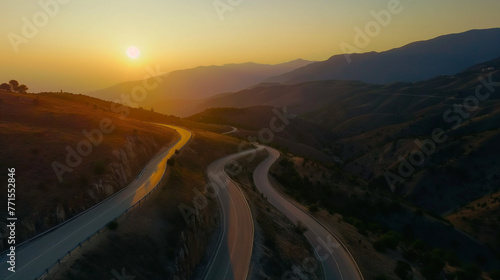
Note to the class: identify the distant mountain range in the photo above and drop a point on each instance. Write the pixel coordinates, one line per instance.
(444, 55)
(200, 82)
(187, 92)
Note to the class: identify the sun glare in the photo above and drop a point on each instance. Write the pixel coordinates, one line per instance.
(133, 52)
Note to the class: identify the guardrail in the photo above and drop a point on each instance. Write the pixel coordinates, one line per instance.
(96, 233)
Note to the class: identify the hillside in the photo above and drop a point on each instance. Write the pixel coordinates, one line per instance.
(294, 134)
(62, 170)
(372, 125)
(480, 218)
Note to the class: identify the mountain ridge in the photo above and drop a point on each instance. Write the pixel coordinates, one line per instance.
(445, 54)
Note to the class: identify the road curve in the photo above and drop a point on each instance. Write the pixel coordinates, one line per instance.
(233, 129)
(336, 261)
(231, 260)
(35, 256)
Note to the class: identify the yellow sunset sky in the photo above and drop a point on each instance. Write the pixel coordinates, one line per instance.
(81, 46)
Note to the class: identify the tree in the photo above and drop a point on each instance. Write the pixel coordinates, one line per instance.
(391, 239)
(5, 87)
(22, 89)
(13, 84)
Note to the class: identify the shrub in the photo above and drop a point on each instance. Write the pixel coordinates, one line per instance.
(495, 274)
(403, 270)
(313, 208)
(5, 86)
(99, 167)
(469, 272)
(409, 255)
(379, 246)
(84, 181)
(113, 225)
(391, 239)
(21, 89)
(360, 226)
(301, 228)
(452, 259)
(430, 272)
(374, 227)
(433, 263)
(418, 246)
(270, 242)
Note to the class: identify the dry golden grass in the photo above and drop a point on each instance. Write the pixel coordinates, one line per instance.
(34, 132)
(481, 219)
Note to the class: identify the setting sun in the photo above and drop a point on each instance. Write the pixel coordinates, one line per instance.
(133, 52)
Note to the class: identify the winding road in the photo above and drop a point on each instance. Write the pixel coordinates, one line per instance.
(233, 255)
(233, 129)
(335, 259)
(231, 260)
(38, 254)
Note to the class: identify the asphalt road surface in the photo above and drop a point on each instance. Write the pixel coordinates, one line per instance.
(35, 256)
(336, 261)
(233, 254)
